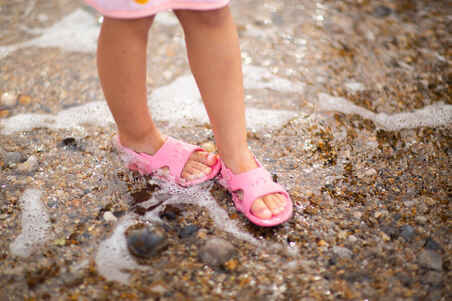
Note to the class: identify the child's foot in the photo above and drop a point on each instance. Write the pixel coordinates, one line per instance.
(198, 165)
(265, 207)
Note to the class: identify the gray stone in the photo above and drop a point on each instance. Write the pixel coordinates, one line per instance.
(407, 232)
(188, 231)
(420, 219)
(12, 158)
(216, 252)
(29, 166)
(430, 244)
(432, 277)
(431, 260)
(342, 252)
(382, 11)
(145, 241)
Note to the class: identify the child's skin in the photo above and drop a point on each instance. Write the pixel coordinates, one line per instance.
(214, 56)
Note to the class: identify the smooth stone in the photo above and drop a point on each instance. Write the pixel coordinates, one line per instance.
(216, 252)
(420, 219)
(352, 238)
(11, 158)
(433, 277)
(382, 11)
(407, 232)
(29, 166)
(8, 99)
(430, 244)
(431, 260)
(171, 212)
(188, 231)
(109, 217)
(342, 252)
(145, 241)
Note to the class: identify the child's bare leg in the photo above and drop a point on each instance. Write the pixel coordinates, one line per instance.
(121, 60)
(214, 56)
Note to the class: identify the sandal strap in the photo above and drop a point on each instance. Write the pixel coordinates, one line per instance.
(255, 184)
(174, 154)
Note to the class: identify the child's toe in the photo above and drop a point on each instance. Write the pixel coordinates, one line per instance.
(260, 210)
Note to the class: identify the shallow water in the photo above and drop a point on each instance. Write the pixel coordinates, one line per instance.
(349, 106)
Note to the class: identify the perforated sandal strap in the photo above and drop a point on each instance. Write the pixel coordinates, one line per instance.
(255, 184)
(174, 154)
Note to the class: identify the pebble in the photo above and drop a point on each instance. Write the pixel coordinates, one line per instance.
(382, 11)
(430, 244)
(342, 252)
(24, 99)
(12, 158)
(407, 232)
(352, 238)
(29, 166)
(433, 277)
(188, 231)
(171, 212)
(145, 241)
(216, 252)
(109, 217)
(420, 219)
(430, 259)
(357, 214)
(8, 99)
(4, 113)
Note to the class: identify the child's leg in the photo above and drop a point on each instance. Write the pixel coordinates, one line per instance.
(121, 60)
(214, 56)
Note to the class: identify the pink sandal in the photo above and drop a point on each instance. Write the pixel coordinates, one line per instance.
(255, 183)
(174, 154)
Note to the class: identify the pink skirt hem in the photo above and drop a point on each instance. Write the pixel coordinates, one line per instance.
(133, 14)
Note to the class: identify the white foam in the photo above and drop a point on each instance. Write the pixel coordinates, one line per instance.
(177, 103)
(77, 31)
(255, 77)
(355, 87)
(35, 224)
(434, 115)
(113, 259)
(200, 195)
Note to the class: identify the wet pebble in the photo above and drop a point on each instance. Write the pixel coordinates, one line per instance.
(430, 259)
(188, 231)
(432, 277)
(8, 99)
(109, 217)
(407, 232)
(28, 166)
(430, 244)
(145, 241)
(421, 219)
(11, 158)
(4, 113)
(382, 11)
(216, 252)
(171, 212)
(352, 239)
(24, 99)
(69, 143)
(342, 252)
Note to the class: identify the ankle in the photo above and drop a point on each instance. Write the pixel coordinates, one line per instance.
(148, 141)
(239, 161)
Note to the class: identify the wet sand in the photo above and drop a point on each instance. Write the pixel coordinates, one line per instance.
(349, 106)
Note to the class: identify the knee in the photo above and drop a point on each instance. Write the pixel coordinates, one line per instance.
(132, 26)
(210, 18)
